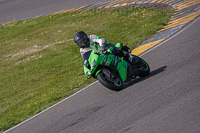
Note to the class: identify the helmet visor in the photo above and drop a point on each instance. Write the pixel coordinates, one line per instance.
(81, 43)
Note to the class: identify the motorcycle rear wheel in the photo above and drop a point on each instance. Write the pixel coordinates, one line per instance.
(143, 67)
(113, 84)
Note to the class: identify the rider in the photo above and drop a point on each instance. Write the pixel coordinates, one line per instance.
(86, 44)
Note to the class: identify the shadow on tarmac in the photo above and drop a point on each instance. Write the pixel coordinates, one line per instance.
(152, 73)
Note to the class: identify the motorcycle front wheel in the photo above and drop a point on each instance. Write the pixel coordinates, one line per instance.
(115, 83)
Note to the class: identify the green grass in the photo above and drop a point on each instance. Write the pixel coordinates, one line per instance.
(40, 64)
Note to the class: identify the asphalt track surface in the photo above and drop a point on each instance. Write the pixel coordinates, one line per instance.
(168, 100)
(12, 10)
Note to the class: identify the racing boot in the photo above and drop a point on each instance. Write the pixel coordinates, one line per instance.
(126, 49)
(128, 57)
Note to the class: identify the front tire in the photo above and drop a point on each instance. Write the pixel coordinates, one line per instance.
(115, 84)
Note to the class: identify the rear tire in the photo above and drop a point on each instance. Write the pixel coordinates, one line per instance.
(105, 81)
(144, 68)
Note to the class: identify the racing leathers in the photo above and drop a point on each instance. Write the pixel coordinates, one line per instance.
(92, 40)
(85, 52)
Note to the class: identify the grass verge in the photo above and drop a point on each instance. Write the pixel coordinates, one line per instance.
(40, 64)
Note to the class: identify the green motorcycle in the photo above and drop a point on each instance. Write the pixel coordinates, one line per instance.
(112, 71)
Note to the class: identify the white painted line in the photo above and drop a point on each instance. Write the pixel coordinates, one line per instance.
(51, 107)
